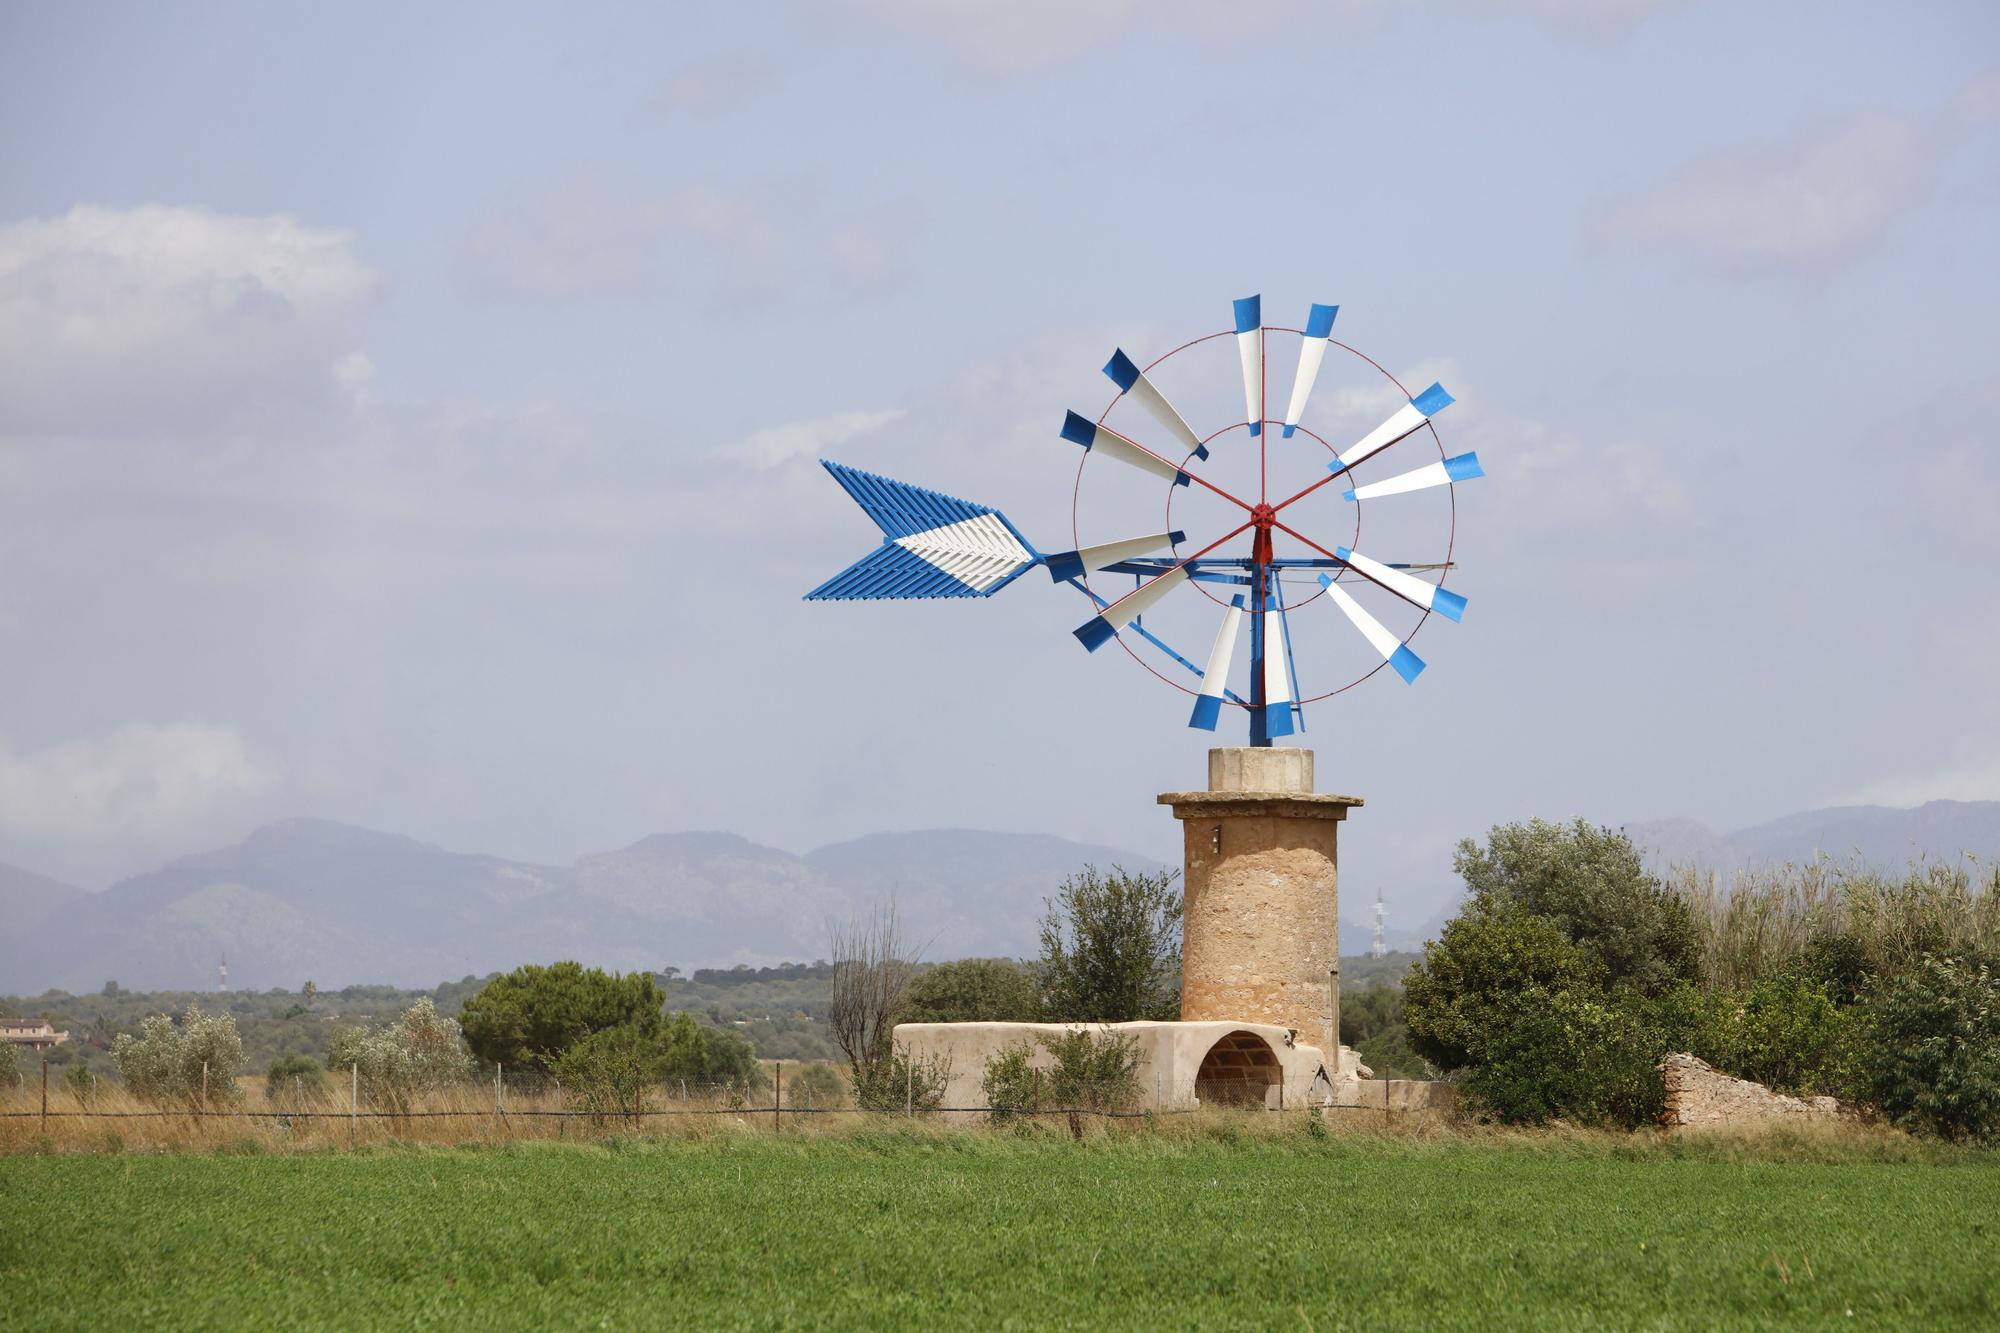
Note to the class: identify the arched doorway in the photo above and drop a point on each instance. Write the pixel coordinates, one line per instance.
(1239, 1070)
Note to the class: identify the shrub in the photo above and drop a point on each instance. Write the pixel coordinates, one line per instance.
(165, 1062)
(530, 1016)
(1093, 1071)
(1932, 1058)
(1111, 947)
(81, 1082)
(1012, 1083)
(1592, 883)
(10, 1065)
(1373, 1022)
(610, 1070)
(972, 990)
(816, 1086)
(294, 1080)
(420, 1052)
(1785, 1032)
(900, 1081)
(1573, 1054)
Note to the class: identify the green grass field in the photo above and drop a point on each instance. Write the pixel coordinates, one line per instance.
(972, 1229)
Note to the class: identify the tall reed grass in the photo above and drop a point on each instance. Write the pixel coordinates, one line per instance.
(1753, 924)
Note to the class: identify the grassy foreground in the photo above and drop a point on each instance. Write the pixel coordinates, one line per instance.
(912, 1228)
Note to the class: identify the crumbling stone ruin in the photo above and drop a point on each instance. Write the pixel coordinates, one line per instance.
(1699, 1096)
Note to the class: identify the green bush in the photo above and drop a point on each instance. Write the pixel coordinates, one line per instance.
(1786, 1032)
(526, 1019)
(610, 1070)
(81, 1083)
(972, 990)
(1012, 1083)
(1591, 882)
(166, 1061)
(902, 1081)
(294, 1080)
(1572, 1054)
(1374, 1023)
(1094, 1071)
(1932, 1058)
(1111, 947)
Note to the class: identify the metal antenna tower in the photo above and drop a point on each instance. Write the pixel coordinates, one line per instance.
(1380, 947)
(222, 973)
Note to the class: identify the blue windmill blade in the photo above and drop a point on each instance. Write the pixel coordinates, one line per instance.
(1403, 422)
(1215, 677)
(1250, 351)
(1312, 351)
(1394, 651)
(1132, 382)
(1444, 472)
(1064, 565)
(933, 545)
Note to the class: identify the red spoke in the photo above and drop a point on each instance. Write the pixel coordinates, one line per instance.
(1192, 476)
(1331, 476)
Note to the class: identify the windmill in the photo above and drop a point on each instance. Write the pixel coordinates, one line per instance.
(1260, 560)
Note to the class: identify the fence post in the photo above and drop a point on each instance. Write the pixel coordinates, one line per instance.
(777, 1087)
(497, 1108)
(353, 1101)
(202, 1109)
(909, 1085)
(45, 1094)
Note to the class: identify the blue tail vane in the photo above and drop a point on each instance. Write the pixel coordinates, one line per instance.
(933, 545)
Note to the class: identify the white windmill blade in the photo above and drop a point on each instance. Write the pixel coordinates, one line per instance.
(1215, 676)
(1099, 630)
(1319, 331)
(1463, 467)
(1401, 422)
(1079, 429)
(1072, 564)
(1394, 651)
(1427, 595)
(1277, 677)
(1250, 350)
(1132, 382)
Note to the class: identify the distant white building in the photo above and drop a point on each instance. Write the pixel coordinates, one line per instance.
(36, 1036)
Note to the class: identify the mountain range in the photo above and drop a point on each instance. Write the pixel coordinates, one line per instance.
(308, 898)
(1879, 836)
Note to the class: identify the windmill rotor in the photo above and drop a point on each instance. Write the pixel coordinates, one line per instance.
(1259, 549)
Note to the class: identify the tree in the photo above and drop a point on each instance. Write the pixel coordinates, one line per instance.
(172, 1062)
(422, 1051)
(971, 990)
(872, 969)
(1592, 883)
(1111, 947)
(530, 1016)
(10, 1065)
(1475, 976)
(1933, 1050)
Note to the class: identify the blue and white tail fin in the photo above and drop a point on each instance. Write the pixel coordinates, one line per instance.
(933, 545)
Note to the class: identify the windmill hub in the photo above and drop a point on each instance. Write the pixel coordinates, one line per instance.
(1264, 518)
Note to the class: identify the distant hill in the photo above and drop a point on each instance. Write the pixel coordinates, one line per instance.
(26, 898)
(308, 898)
(1880, 836)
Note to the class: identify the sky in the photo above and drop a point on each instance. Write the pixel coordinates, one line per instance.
(410, 415)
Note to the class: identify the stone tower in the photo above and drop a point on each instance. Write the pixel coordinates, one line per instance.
(1261, 933)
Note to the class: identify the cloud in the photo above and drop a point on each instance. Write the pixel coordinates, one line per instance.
(706, 90)
(589, 238)
(777, 445)
(141, 780)
(156, 315)
(1009, 37)
(1978, 780)
(1812, 200)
